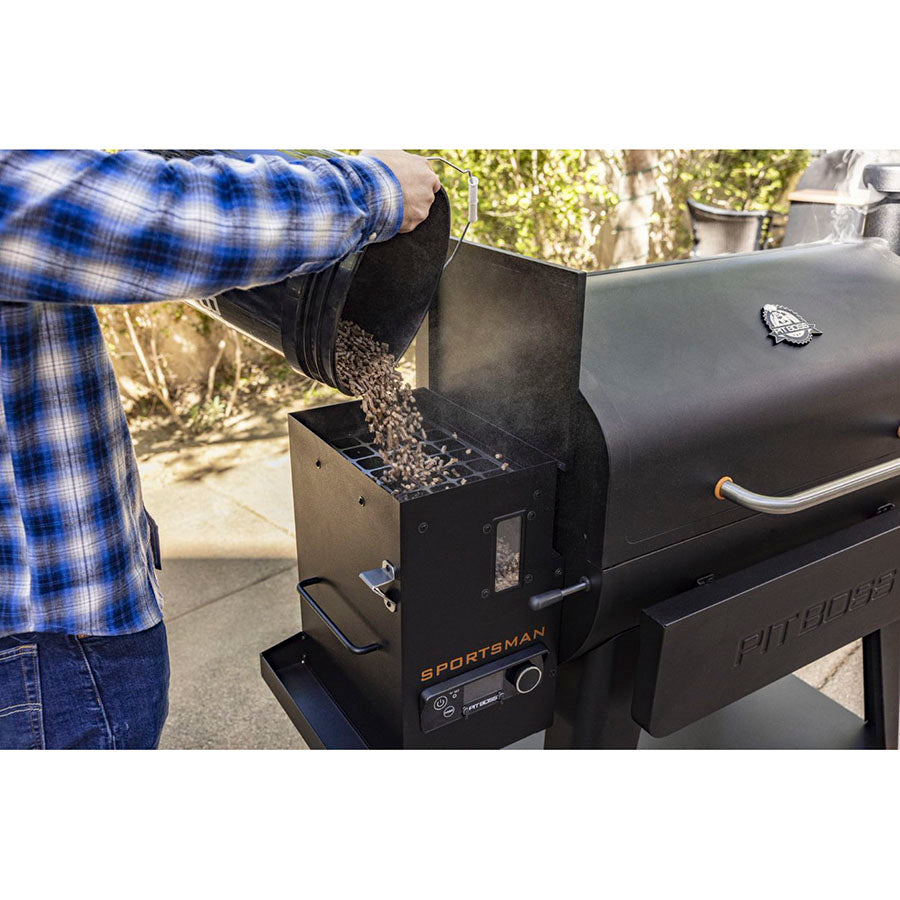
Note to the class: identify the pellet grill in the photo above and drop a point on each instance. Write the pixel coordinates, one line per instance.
(702, 472)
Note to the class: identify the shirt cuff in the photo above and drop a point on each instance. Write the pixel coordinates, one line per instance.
(384, 198)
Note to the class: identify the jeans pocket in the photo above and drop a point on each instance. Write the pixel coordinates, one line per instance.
(130, 675)
(21, 719)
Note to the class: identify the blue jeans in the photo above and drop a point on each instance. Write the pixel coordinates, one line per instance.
(64, 692)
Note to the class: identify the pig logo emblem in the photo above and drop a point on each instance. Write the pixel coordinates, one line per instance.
(786, 325)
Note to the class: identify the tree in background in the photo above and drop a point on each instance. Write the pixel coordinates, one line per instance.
(740, 179)
(598, 209)
(588, 209)
(548, 204)
(733, 179)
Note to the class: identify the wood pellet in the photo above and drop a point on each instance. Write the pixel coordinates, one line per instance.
(368, 369)
(506, 572)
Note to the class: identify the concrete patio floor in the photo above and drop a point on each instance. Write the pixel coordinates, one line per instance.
(229, 575)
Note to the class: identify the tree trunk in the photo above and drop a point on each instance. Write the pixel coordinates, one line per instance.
(637, 190)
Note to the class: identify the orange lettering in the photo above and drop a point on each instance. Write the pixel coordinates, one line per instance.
(484, 652)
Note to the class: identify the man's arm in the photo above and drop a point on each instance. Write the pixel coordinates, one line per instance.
(84, 226)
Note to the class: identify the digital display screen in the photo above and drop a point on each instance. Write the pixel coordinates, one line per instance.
(490, 684)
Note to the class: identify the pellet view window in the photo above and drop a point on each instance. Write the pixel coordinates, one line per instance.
(507, 553)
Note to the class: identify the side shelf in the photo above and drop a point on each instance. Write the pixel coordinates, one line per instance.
(308, 704)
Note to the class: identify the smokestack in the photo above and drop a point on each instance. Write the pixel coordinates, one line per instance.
(883, 218)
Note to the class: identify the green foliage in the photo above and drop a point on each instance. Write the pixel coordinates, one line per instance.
(580, 208)
(548, 204)
(208, 414)
(733, 179)
(740, 179)
(557, 204)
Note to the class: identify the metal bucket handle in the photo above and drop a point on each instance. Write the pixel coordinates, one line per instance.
(472, 214)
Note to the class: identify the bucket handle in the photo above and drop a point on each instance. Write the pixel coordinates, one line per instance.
(472, 213)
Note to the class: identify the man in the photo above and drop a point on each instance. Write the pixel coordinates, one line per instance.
(83, 655)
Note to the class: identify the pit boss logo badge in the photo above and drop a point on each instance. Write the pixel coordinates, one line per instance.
(786, 325)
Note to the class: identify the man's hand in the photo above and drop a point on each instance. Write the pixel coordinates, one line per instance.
(417, 181)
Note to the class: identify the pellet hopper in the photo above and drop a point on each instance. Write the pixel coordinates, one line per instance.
(681, 487)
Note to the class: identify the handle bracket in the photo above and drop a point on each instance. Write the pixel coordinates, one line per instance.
(379, 580)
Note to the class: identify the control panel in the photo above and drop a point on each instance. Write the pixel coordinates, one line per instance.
(483, 688)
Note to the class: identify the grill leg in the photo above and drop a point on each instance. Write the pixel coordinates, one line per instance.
(593, 699)
(881, 685)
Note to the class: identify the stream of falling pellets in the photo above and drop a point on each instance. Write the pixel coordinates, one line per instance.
(368, 369)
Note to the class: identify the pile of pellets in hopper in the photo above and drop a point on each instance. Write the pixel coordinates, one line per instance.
(506, 569)
(368, 369)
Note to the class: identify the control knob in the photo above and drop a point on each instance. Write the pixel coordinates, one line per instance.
(525, 677)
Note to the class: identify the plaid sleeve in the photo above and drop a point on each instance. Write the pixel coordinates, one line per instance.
(84, 226)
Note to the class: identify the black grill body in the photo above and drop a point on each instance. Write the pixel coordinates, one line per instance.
(697, 391)
(623, 397)
(444, 617)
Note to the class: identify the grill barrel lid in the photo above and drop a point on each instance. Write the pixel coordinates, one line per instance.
(688, 386)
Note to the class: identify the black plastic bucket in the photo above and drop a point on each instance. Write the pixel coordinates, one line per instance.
(385, 288)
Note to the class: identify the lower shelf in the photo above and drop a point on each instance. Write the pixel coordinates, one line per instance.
(788, 714)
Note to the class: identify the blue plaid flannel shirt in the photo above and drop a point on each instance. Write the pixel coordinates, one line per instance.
(86, 227)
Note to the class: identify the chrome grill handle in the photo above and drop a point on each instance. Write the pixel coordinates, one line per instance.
(726, 489)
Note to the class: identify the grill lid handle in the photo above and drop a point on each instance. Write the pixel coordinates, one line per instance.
(726, 489)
